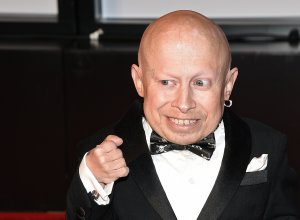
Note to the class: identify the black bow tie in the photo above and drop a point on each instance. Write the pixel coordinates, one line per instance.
(203, 148)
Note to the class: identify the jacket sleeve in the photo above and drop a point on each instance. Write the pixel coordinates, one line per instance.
(81, 206)
(282, 202)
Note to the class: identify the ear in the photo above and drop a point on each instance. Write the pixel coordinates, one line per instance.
(229, 82)
(137, 78)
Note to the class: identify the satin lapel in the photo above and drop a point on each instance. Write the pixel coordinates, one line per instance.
(142, 170)
(234, 164)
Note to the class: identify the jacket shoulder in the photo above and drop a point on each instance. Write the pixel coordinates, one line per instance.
(263, 131)
(259, 128)
(265, 139)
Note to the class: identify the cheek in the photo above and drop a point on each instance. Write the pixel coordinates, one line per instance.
(215, 110)
(157, 97)
(211, 102)
(153, 103)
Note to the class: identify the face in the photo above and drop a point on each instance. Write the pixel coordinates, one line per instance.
(183, 88)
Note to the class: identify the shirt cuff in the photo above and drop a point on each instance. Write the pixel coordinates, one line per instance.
(92, 185)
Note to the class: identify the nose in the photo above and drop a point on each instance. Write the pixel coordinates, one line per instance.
(184, 99)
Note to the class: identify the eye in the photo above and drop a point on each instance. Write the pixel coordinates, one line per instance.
(164, 82)
(200, 82)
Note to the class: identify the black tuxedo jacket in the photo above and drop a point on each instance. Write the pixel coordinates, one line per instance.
(267, 194)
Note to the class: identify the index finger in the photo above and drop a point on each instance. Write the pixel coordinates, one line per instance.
(110, 143)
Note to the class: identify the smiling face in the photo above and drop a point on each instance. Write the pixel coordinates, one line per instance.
(183, 80)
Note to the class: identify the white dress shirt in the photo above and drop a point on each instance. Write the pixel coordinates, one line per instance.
(186, 177)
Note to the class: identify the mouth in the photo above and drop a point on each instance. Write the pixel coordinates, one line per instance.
(183, 122)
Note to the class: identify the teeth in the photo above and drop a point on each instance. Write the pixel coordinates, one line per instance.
(182, 122)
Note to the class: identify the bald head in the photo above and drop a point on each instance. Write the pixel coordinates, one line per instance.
(184, 27)
(183, 76)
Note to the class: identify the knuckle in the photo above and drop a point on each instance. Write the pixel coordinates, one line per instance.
(98, 153)
(120, 153)
(115, 139)
(101, 160)
(124, 171)
(111, 138)
(108, 145)
(123, 162)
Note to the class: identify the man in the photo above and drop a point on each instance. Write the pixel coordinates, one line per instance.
(184, 78)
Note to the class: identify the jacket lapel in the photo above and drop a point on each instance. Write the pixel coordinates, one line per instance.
(234, 164)
(142, 170)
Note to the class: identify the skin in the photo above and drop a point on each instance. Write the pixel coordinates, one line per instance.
(184, 77)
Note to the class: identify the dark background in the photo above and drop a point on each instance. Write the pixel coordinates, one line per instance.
(58, 87)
